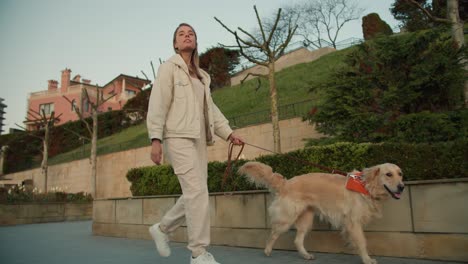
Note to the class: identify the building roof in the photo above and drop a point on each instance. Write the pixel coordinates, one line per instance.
(135, 80)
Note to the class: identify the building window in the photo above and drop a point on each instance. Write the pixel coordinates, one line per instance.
(47, 108)
(109, 108)
(130, 93)
(85, 105)
(73, 105)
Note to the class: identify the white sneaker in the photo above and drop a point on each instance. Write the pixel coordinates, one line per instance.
(161, 240)
(205, 258)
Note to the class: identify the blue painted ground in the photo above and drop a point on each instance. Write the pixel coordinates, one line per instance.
(73, 243)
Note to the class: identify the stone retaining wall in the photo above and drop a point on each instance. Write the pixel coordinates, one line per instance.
(112, 168)
(430, 221)
(15, 214)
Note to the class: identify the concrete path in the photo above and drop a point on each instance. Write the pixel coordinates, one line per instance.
(73, 243)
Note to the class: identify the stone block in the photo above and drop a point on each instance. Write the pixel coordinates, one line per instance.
(255, 238)
(104, 211)
(396, 216)
(440, 207)
(8, 214)
(243, 211)
(129, 211)
(78, 209)
(155, 208)
(446, 247)
(318, 224)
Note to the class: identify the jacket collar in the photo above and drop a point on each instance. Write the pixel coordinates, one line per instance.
(179, 61)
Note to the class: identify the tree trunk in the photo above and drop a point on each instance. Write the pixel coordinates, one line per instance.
(457, 34)
(457, 25)
(45, 156)
(94, 153)
(274, 107)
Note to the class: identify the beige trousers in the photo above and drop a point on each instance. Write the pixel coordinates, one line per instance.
(189, 160)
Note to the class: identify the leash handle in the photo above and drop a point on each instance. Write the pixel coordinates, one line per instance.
(228, 170)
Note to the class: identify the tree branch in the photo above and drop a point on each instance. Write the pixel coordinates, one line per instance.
(260, 24)
(258, 79)
(428, 14)
(76, 134)
(278, 16)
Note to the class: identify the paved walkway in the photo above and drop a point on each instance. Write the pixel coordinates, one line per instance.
(73, 243)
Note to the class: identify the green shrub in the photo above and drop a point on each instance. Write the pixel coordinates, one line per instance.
(23, 194)
(418, 161)
(426, 127)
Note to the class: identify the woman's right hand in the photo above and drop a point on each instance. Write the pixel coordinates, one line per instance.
(156, 151)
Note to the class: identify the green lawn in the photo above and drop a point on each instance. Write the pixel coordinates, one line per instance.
(293, 85)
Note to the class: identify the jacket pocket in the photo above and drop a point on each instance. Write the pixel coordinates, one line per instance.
(181, 85)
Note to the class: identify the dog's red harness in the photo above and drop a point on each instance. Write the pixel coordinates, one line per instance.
(356, 183)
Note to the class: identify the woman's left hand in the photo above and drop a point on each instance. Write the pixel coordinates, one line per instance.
(236, 140)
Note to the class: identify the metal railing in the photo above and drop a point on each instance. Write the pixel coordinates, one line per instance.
(245, 64)
(298, 109)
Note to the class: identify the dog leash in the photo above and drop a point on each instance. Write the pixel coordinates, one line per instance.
(305, 162)
(228, 170)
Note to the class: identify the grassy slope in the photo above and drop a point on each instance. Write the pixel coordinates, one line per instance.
(293, 85)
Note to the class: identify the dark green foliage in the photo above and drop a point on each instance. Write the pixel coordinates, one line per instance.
(219, 62)
(418, 161)
(425, 161)
(412, 19)
(431, 127)
(386, 79)
(373, 26)
(139, 103)
(24, 150)
(145, 183)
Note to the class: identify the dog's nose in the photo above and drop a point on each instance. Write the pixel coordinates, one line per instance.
(401, 187)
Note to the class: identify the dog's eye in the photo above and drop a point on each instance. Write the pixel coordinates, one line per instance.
(389, 174)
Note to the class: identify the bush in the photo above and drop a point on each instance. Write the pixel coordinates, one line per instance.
(24, 150)
(21, 194)
(418, 162)
(388, 78)
(426, 127)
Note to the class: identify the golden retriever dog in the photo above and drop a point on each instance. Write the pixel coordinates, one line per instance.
(299, 198)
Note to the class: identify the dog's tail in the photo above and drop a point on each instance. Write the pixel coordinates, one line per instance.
(262, 175)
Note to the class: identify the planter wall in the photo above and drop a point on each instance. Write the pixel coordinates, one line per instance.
(430, 221)
(15, 214)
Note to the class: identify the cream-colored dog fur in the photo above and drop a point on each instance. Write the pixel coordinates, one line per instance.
(299, 198)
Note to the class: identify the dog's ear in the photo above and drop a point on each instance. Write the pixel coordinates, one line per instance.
(376, 172)
(371, 173)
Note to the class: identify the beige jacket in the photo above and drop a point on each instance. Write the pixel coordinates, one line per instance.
(173, 111)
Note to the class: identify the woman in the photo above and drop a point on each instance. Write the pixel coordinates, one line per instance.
(182, 114)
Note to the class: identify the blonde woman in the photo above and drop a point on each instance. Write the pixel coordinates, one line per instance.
(183, 116)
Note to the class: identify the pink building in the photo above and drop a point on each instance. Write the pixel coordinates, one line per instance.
(123, 86)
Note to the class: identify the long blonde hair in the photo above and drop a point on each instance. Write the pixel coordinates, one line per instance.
(194, 67)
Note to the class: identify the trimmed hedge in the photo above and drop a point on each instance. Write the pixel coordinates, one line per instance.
(418, 161)
(24, 150)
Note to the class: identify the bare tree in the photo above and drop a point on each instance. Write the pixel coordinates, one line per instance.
(453, 19)
(92, 128)
(44, 122)
(320, 21)
(266, 50)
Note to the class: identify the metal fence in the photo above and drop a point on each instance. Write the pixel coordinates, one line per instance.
(297, 109)
(245, 64)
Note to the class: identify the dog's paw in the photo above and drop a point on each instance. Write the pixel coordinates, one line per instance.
(267, 252)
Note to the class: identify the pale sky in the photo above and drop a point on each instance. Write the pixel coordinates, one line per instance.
(100, 39)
